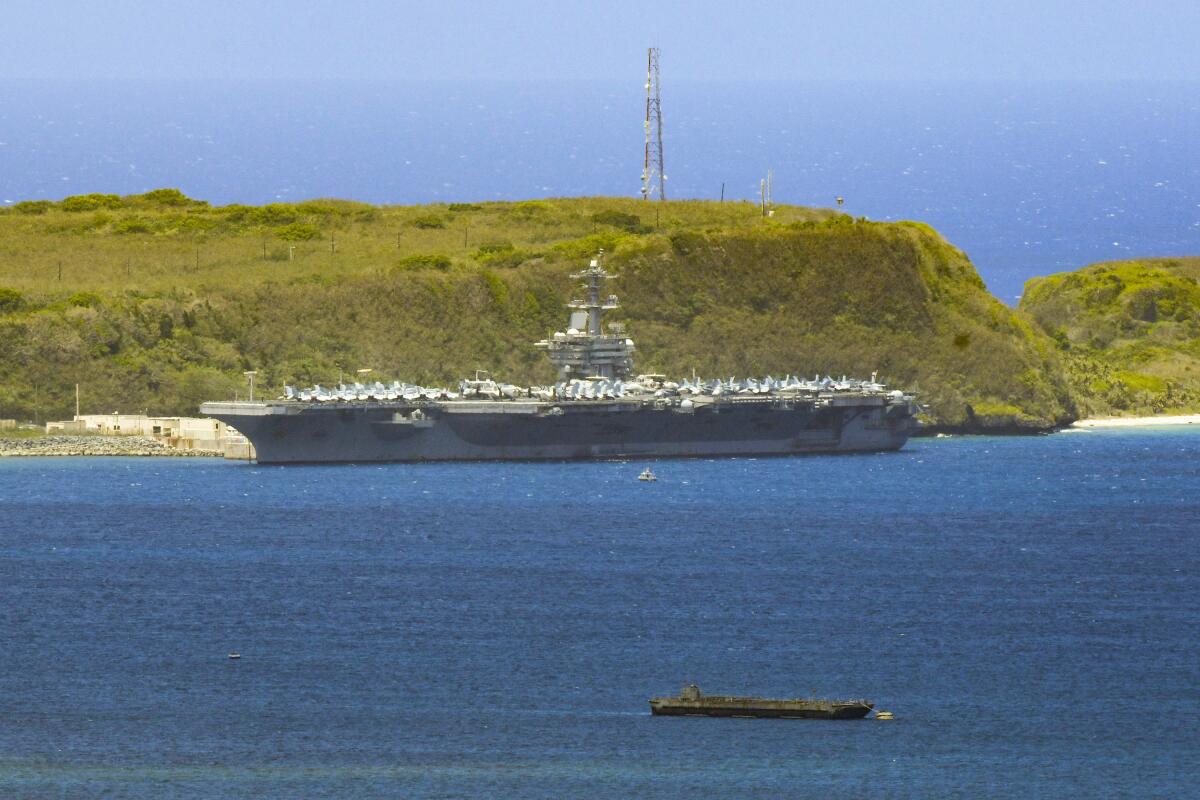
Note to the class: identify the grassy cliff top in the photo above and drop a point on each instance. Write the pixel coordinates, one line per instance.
(163, 240)
(1130, 331)
(163, 300)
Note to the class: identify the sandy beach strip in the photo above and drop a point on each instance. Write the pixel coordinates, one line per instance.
(1138, 422)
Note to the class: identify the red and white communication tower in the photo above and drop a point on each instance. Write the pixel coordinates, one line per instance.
(653, 178)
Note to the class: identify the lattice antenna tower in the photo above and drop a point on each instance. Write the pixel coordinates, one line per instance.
(653, 178)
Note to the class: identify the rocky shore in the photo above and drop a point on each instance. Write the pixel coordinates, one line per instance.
(94, 446)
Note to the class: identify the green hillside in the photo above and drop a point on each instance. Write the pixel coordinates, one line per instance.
(1129, 331)
(163, 301)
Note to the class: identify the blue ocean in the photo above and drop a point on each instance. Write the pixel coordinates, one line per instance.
(1027, 608)
(1028, 178)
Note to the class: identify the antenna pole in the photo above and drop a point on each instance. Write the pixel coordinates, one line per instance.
(653, 178)
(646, 161)
(662, 175)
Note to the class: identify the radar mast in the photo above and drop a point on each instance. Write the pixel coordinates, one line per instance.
(586, 349)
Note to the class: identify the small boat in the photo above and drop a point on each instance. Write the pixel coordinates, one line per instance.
(235, 656)
(647, 475)
(884, 715)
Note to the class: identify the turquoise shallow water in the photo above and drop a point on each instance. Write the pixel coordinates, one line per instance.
(1027, 607)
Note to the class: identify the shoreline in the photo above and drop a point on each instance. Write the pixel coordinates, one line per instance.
(1091, 423)
(1137, 422)
(139, 446)
(96, 445)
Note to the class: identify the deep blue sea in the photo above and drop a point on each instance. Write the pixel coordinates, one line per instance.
(1027, 607)
(1028, 178)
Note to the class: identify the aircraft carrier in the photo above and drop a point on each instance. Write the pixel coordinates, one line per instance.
(598, 409)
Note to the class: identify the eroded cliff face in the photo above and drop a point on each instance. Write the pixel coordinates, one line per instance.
(847, 297)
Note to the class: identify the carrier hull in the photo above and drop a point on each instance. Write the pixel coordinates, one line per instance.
(284, 432)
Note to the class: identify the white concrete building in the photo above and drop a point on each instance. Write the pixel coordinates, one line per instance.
(185, 433)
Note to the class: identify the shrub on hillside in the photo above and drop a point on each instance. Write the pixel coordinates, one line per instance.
(619, 219)
(502, 254)
(316, 208)
(529, 209)
(274, 214)
(298, 232)
(90, 202)
(236, 213)
(424, 261)
(192, 384)
(192, 223)
(167, 197)
(10, 300)
(85, 299)
(428, 221)
(588, 246)
(497, 288)
(132, 225)
(33, 206)
(492, 248)
(97, 221)
(685, 243)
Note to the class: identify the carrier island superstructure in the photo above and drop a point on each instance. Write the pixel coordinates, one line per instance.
(598, 409)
